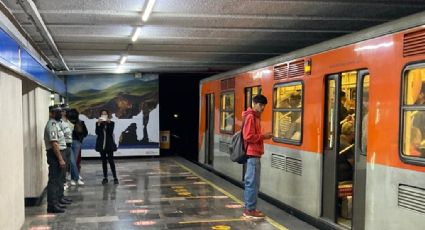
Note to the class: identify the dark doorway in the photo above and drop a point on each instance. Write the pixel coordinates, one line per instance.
(179, 112)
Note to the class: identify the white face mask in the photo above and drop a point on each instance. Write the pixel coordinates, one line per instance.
(104, 117)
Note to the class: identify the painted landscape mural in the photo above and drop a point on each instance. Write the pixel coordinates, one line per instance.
(133, 104)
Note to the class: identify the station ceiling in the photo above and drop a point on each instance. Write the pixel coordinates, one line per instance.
(190, 36)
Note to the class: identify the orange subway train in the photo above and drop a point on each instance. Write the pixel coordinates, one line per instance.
(348, 124)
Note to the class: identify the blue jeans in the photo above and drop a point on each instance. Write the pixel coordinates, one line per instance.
(76, 146)
(252, 182)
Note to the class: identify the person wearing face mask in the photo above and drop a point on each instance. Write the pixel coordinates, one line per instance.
(67, 128)
(55, 145)
(105, 144)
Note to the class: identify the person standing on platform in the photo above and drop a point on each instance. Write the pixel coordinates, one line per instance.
(254, 150)
(67, 128)
(78, 134)
(55, 145)
(105, 144)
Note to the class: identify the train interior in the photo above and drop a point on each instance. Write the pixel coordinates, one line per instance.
(414, 115)
(346, 133)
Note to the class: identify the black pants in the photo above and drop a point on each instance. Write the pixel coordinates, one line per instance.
(110, 157)
(66, 157)
(55, 183)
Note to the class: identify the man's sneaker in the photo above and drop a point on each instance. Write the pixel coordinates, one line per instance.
(80, 178)
(116, 181)
(260, 212)
(104, 181)
(254, 214)
(65, 186)
(80, 182)
(73, 183)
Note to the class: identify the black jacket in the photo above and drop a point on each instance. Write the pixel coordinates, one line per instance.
(80, 131)
(101, 129)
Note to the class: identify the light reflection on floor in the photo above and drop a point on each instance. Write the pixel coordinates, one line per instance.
(153, 193)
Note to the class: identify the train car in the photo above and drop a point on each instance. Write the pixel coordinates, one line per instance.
(348, 124)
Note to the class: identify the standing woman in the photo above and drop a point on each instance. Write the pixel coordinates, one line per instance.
(105, 144)
(78, 134)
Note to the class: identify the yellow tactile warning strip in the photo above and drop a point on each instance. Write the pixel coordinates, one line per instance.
(221, 227)
(211, 221)
(268, 219)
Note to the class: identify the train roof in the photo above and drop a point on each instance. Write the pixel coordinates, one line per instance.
(369, 33)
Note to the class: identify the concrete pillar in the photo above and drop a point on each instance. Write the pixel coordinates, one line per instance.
(12, 212)
(35, 103)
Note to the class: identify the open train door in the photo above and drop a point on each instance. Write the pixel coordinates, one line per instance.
(359, 189)
(330, 148)
(344, 149)
(209, 130)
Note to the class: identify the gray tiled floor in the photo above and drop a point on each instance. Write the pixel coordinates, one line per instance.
(156, 193)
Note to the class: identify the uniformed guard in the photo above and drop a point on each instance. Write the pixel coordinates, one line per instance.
(67, 128)
(55, 146)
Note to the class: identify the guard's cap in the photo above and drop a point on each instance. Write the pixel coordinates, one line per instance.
(55, 108)
(65, 107)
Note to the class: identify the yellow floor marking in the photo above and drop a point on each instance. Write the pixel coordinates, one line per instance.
(268, 219)
(168, 185)
(177, 187)
(211, 221)
(221, 227)
(193, 197)
(172, 198)
(184, 193)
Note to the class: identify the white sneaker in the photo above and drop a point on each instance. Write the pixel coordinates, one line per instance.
(65, 187)
(80, 182)
(68, 176)
(80, 178)
(73, 183)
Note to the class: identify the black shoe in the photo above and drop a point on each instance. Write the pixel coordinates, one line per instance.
(61, 206)
(54, 209)
(64, 201)
(104, 181)
(116, 181)
(67, 199)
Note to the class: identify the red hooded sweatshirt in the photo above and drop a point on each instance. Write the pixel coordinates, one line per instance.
(252, 134)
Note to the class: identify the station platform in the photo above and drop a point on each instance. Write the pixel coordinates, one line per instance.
(157, 193)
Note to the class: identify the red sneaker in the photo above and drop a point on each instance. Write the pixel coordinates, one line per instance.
(254, 214)
(260, 212)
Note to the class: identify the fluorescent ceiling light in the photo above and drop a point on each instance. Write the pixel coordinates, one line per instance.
(120, 69)
(148, 10)
(136, 34)
(123, 59)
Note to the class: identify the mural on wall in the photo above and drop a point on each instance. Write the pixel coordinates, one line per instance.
(132, 102)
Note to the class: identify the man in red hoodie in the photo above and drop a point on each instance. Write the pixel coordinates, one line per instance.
(254, 149)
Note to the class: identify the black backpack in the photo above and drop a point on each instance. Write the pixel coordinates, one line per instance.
(237, 148)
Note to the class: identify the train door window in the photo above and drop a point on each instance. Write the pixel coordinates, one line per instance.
(227, 112)
(250, 93)
(287, 112)
(364, 114)
(330, 129)
(413, 115)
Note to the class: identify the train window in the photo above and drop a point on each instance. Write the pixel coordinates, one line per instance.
(287, 112)
(250, 93)
(227, 112)
(413, 110)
